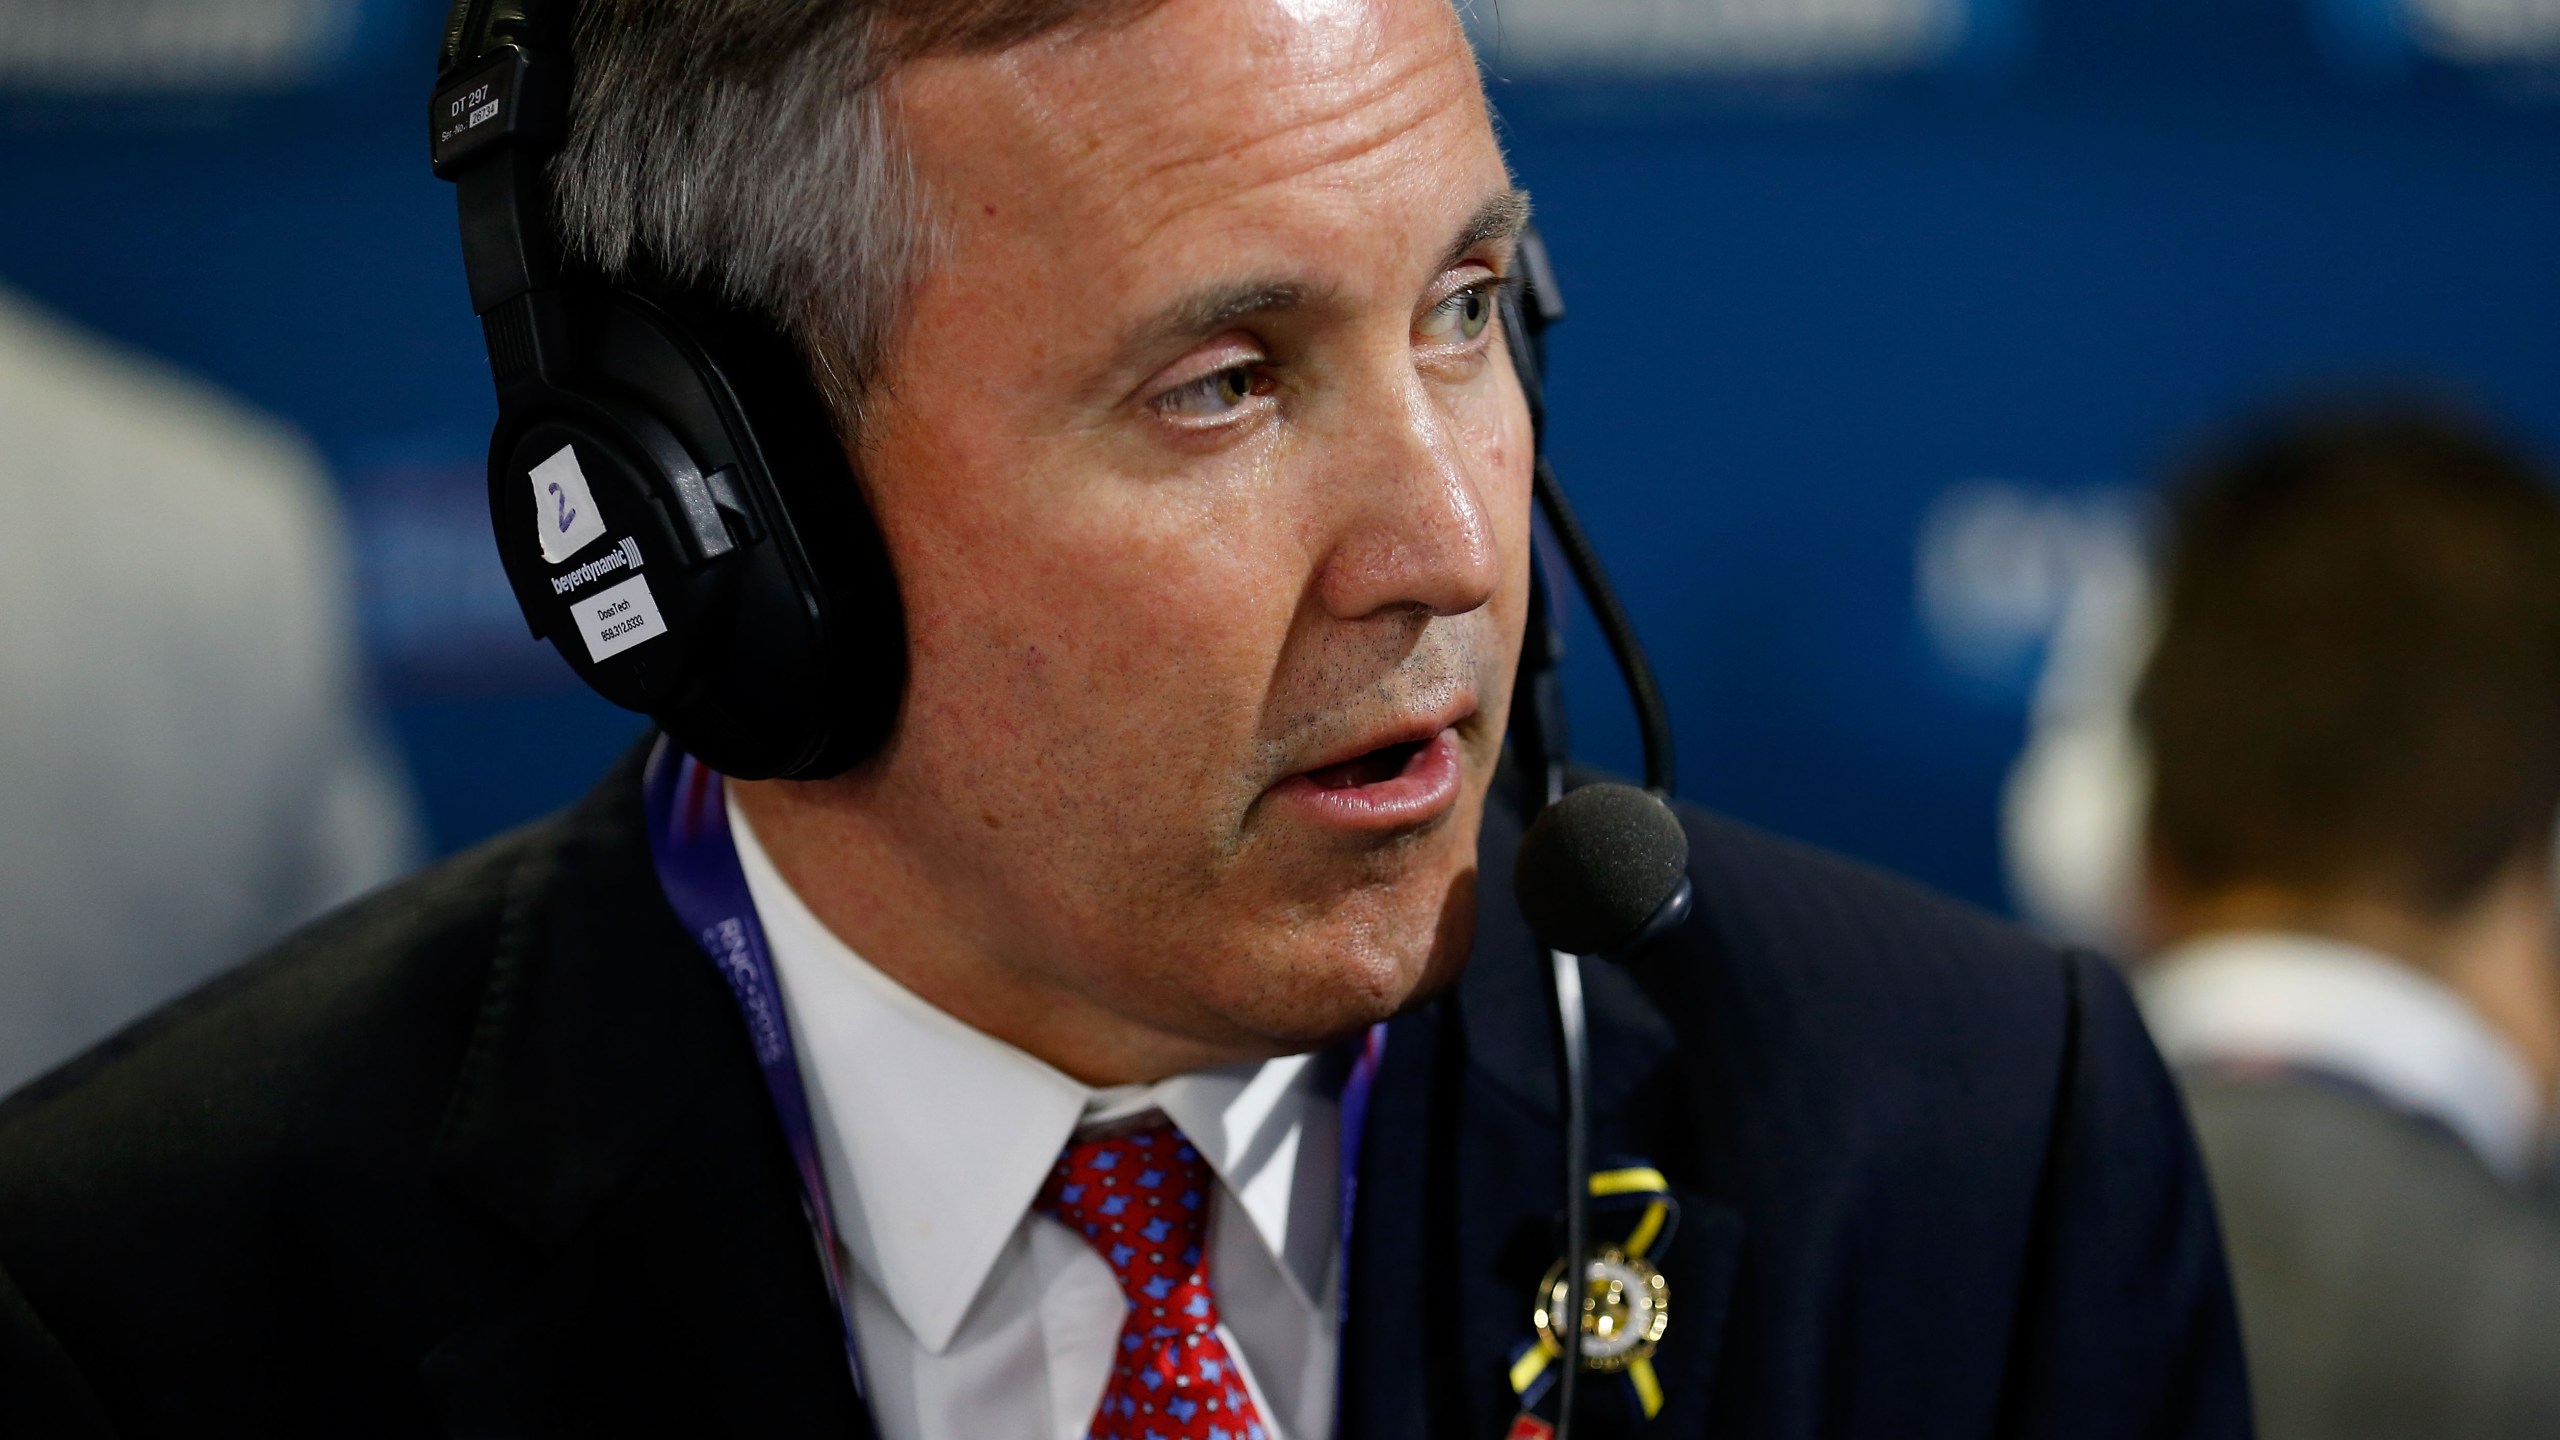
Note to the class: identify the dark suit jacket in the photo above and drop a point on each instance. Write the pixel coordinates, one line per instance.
(486, 1155)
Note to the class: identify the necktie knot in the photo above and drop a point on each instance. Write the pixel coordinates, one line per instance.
(1140, 1197)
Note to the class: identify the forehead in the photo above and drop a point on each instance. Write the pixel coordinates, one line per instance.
(1207, 119)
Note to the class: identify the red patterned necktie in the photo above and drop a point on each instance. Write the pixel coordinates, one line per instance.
(1141, 1199)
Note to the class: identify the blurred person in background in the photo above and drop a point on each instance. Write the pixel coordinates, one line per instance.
(185, 770)
(2352, 719)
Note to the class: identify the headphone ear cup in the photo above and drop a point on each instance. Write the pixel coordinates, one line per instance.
(678, 518)
(809, 669)
(596, 564)
(671, 501)
(805, 678)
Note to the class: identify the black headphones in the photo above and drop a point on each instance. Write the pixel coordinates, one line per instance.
(672, 503)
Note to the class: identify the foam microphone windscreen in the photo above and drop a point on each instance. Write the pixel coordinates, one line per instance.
(1596, 865)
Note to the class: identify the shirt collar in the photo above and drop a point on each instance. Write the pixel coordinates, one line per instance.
(2261, 997)
(1271, 1131)
(936, 1137)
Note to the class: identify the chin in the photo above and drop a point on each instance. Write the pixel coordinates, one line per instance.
(1370, 960)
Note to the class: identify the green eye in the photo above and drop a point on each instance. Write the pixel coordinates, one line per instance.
(1462, 316)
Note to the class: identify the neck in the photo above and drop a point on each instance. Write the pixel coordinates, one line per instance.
(2500, 952)
(928, 927)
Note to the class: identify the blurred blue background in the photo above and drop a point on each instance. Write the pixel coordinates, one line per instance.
(1883, 313)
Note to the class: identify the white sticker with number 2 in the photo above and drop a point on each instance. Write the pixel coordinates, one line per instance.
(564, 513)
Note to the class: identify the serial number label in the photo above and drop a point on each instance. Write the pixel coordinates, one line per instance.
(468, 111)
(476, 110)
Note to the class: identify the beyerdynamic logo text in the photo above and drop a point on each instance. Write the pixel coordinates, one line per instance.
(624, 557)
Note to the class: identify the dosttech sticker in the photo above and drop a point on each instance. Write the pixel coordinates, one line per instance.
(618, 617)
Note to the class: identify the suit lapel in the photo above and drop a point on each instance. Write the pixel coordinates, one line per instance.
(609, 1119)
(1458, 1210)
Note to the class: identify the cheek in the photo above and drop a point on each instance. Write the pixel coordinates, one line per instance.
(1493, 430)
(1106, 631)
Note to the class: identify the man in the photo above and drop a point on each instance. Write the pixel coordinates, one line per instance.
(2354, 718)
(1206, 482)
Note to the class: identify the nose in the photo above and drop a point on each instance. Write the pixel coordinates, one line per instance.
(1414, 534)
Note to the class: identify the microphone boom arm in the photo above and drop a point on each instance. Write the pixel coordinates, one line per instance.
(1653, 718)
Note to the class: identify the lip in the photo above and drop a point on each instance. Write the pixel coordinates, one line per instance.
(1425, 789)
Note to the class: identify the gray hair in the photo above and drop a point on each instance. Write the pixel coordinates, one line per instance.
(751, 146)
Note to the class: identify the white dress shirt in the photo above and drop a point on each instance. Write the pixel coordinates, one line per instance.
(2272, 998)
(979, 1320)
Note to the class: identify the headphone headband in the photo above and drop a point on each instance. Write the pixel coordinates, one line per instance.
(475, 28)
(499, 111)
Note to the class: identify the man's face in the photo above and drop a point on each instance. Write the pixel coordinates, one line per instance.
(1207, 482)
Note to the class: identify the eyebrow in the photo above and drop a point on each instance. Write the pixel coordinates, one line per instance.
(1213, 310)
(1500, 218)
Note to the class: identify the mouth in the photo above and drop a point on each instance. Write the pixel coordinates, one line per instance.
(1376, 767)
(1400, 783)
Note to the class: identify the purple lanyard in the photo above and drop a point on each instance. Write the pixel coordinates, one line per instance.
(698, 869)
